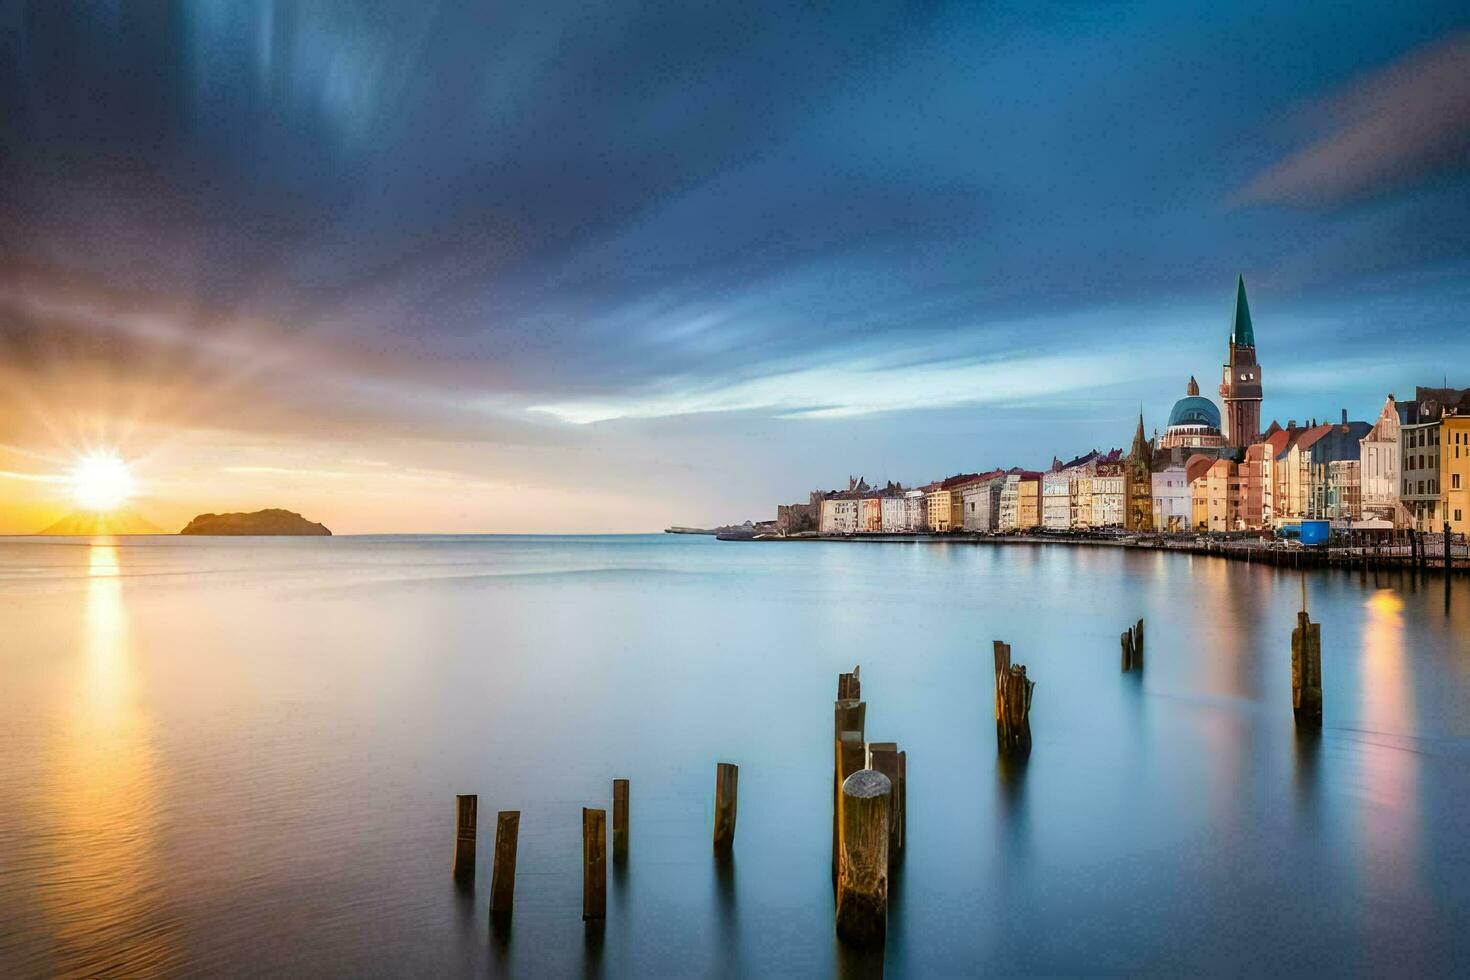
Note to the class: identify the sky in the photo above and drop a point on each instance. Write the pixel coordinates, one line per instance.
(608, 267)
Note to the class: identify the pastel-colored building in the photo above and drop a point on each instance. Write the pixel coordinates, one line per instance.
(1056, 501)
(1171, 511)
(1378, 470)
(895, 514)
(839, 515)
(1222, 496)
(1028, 501)
(940, 510)
(1454, 453)
(916, 511)
(870, 515)
(1108, 495)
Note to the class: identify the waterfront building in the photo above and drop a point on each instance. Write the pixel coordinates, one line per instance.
(1056, 501)
(1138, 483)
(1196, 471)
(1421, 453)
(1454, 453)
(1171, 504)
(1341, 443)
(839, 514)
(1254, 472)
(1294, 474)
(1028, 501)
(1109, 495)
(916, 511)
(980, 503)
(895, 514)
(944, 503)
(1378, 457)
(1010, 500)
(1240, 388)
(1342, 500)
(870, 514)
(1081, 503)
(1222, 493)
(1194, 422)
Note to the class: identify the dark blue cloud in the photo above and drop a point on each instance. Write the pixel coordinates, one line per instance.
(654, 208)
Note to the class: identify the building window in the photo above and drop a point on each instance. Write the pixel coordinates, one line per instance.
(1455, 483)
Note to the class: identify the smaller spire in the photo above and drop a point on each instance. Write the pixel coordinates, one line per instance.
(1193, 387)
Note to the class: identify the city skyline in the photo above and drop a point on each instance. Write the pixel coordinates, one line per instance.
(433, 271)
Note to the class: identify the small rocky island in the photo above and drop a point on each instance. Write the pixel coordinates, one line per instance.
(274, 521)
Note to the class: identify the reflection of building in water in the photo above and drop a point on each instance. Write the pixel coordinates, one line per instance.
(1386, 694)
(101, 899)
(1389, 851)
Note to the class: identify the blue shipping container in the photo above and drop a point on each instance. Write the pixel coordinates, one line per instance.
(1314, 532)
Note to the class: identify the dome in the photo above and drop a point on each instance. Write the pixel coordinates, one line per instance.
(1195, 410)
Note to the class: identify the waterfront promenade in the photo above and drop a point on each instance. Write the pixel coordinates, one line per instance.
(1367, 549)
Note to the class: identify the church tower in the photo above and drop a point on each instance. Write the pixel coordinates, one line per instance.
(1241, 388)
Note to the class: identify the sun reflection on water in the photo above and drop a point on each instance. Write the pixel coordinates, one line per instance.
(104, 892)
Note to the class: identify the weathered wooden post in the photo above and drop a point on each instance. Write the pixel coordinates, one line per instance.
(1138, 645)
(727, 778)
(848, 715)
(1012, 703)
(466, 809)
(851, 757)
(594, 863)
(1449, 549)
(903, 799)
(883, 757)
(1127, 655)
(620, 819)
(862, 884)
(1306, 672)
(503, 876)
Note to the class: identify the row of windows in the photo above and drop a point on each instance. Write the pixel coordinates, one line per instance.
(1432, 484)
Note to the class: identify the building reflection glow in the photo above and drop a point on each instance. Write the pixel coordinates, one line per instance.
(103, 886)
(1388, 774)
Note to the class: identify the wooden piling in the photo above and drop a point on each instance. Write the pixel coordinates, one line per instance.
(1012, 704)
(862, 884)
(851, 756)
(1449, 549)
(466, 810)
(903, 800)
(1306, 672)
(1138, 645)
(594, 863)
(849, 716)
(503, 876)
(620, 819)
(727, 778)
(883, 757)
(1127, 655)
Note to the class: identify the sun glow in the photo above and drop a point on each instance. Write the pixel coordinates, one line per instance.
(101, 482)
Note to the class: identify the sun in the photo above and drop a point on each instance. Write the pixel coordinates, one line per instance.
(101, 482)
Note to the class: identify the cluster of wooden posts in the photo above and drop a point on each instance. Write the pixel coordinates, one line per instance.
(870, 798)
(1133, 647)
(869, 811)
(594, 843)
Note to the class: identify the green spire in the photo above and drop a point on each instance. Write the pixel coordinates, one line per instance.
(1242, 334)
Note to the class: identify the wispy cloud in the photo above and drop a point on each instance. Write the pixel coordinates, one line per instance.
(862, 388)
(1404, 122)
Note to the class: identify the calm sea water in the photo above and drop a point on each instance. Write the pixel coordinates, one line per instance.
(240, 757)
